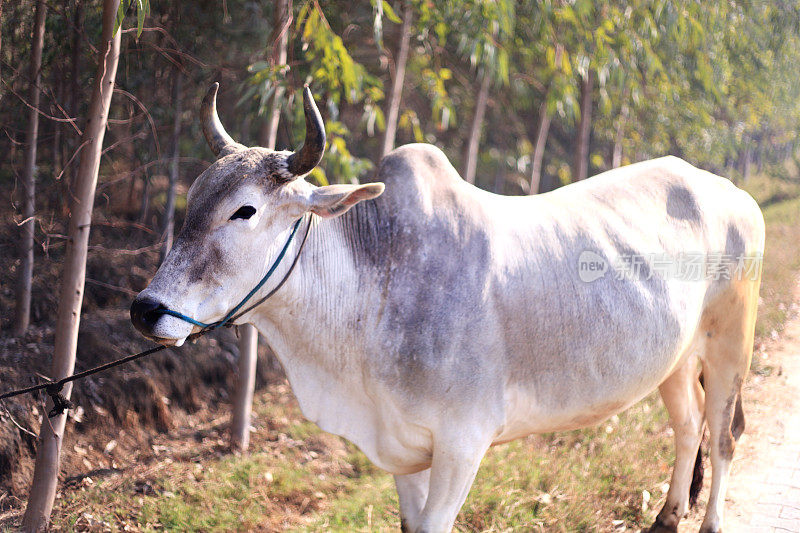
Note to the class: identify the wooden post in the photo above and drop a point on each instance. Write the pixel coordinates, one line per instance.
(45, 475)
(245, 385)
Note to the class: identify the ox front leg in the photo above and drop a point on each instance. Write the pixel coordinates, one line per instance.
(412, 491)
(453, 467)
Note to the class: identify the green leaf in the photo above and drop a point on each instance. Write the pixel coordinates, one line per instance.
(142, 11)
(123, 7)
(390, 14)
(319, 176)
(502, 66)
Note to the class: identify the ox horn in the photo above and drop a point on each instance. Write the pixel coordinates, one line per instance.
(310, 154)
(218, 139)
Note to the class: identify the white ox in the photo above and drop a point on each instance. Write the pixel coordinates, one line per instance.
(432, 321)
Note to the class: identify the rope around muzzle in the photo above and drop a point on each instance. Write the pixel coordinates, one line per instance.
(231, 316)
(54, 388)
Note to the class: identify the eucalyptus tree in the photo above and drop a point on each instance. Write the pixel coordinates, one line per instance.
(709, 80)
(337, 79)
(485, 27)
(45, 476)
(268, 135)
(400, 62)
(589, 33)
(28, 223)
(544, 70)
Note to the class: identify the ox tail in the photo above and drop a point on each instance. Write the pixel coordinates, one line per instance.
(697, 473)
(737, 424)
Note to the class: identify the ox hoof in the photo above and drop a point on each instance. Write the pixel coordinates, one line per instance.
(660, 527)
(406, 528)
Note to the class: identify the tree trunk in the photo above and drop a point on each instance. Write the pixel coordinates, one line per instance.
(169, 210)
(584, 128)
(144, 201)
(248, 341)
(1, 45)
(542, 131)
(75, 86)
(747, 160)
(760, 155)
(619, 135)
(25, 273)
(473, 144)
(45, 475)
(538, 152)
(396, 93)
(58, 74)
(268, 134)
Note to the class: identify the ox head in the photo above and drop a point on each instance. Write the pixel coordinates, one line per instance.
(239, 214)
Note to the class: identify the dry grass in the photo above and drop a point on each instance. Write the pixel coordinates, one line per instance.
(303, 479)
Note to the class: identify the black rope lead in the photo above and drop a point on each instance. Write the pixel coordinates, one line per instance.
(53, 388)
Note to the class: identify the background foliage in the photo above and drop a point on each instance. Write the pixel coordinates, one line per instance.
(713, 83)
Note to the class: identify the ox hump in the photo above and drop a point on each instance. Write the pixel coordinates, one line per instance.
(422, 163)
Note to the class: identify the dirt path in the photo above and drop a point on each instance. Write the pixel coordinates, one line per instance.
(764, 491)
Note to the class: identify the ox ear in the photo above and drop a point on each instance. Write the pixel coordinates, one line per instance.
(334, 200)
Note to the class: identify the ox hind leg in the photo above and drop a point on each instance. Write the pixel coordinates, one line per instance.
(683, 397)
(729, 324)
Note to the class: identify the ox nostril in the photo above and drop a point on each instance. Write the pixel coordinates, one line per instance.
(144, 314)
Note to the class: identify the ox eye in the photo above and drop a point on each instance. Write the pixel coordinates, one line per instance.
(244, 212)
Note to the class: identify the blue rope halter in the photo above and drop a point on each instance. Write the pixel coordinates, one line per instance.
(232, 312)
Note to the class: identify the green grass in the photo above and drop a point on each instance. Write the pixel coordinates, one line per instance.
(569, 481)
(780, 200)
(558, 482)
(304, 480)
